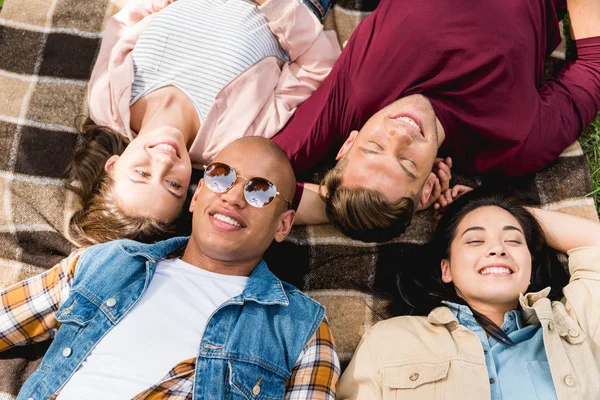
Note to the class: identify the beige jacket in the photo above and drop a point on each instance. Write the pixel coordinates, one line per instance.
(258, 102)
(434, 357)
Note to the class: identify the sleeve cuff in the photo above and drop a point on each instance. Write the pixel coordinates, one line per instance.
(583, 256)
(297, 195)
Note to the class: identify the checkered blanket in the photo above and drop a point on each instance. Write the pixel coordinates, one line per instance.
(47, 50)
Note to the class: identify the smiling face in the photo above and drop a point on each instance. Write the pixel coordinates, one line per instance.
(489, 263)
(152, 175)
(225, 227)
(395, 150)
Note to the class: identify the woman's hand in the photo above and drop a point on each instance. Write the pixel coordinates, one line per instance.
(449, 196)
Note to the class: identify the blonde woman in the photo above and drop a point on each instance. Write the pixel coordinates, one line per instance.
(174, 83)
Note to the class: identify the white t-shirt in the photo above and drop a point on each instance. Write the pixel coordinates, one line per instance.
(163, 329)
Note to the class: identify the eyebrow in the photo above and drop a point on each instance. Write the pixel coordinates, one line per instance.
(481, 228)
(410, 174)
(177, 196)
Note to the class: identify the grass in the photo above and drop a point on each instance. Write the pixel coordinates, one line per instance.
(590, 143)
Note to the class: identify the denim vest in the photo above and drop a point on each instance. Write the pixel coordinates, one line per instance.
(253, 339)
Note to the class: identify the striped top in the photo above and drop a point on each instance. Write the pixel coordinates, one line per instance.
(199, 46)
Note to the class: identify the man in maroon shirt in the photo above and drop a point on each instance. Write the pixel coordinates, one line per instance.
(469, 79)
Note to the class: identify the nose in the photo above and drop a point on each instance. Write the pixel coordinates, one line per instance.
(161, 164)
(235, 195)
(400, 136)
(497, 250)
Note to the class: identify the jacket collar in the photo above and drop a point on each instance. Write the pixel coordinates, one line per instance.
(528, 305)
(263, 286)
(443, 315)
(155, 251)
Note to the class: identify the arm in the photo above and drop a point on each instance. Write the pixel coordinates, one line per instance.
(317, 370)
(28, 307)
(585, 18)
(567, 233)
(563, 108)
(117, 27)
(360, 380)
(312, 55)
(311, 209)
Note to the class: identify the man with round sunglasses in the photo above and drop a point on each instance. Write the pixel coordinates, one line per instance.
(185, 318)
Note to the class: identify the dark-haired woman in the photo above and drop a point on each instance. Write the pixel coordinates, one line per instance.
(486, 326)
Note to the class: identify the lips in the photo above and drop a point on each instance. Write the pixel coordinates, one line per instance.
(496, 269)
(166, 147)
(228, 218)
(410, 119)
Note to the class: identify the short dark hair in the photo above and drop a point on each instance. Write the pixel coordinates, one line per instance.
(364, 214)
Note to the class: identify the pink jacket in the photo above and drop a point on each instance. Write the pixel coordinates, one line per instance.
(259, 102)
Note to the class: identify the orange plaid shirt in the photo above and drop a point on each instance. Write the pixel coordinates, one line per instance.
(27, 315)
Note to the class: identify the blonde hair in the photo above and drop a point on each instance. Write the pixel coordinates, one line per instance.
(100, 219)
(364, 214)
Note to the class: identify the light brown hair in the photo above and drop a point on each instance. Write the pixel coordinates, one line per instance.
(364, 214)
(100, 219)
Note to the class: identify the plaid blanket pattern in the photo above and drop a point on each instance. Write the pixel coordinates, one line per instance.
(47, 50)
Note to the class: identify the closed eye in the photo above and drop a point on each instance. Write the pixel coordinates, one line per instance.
(142, 173)
(376, 144)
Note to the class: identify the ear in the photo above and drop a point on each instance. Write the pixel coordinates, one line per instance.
(109, 166)
(347, 145)
(286, 220)
(426, 192)
(446, 273)
(195, 197)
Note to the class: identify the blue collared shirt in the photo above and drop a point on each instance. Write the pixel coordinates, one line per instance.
(518, 371)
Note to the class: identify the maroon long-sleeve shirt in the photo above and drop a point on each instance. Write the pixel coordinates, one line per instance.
(481, 63)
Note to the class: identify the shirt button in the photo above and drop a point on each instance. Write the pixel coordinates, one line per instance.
(256, 390)
(67, 351)
(111, 302)
(492, 381)
(413, 377)
(511, 317)
(551, 326)
(573, 333)
(569, 380)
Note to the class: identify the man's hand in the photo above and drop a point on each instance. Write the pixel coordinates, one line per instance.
(441, 168)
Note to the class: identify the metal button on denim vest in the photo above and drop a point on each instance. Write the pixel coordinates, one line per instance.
(249, 348)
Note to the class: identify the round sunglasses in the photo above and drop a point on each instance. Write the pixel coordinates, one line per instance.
(258, 192)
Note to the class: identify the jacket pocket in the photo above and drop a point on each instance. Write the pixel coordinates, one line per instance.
(76, 310)
(249, 381)
(418, 380)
